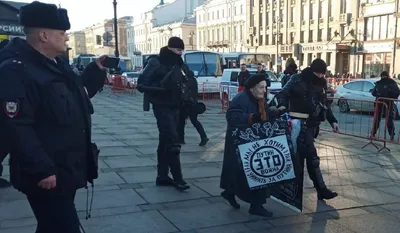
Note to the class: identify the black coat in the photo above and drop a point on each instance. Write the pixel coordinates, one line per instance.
(243, 76)
(46, 116)
(386, 88)
(232, 177)
(302, 94)
(162, 79)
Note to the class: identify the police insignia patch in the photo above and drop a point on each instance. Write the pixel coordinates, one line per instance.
(11, 108)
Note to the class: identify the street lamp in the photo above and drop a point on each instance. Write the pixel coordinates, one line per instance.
(191, 37)
(116, 28)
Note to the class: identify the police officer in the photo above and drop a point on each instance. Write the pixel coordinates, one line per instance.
(305, 98)
(46, 116)
(3, 151)
(164, 83)
(386, 88)
(244, 74)
(291, 69)
(189, 110)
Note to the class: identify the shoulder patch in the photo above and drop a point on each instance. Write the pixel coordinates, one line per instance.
(11, 108)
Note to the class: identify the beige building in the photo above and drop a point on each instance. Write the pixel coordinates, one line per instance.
(221, 25)
(304, 30)
(77, 43)
(95, 43)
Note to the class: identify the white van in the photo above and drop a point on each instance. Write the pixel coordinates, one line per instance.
(230, 85)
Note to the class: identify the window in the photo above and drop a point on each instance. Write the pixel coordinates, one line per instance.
(354, 86)
(379, 28)
(301, 36)
(328, 58)
(241, 9)
(367, 86)
(303, 11)
(98, 39)
(311, 10)
(311, 36)
(319, 35)
(234, 76)
(292, 14)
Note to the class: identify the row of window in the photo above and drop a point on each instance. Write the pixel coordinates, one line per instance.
(220, 13)
(220, 34)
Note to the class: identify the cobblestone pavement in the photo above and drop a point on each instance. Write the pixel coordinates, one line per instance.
(126, 199)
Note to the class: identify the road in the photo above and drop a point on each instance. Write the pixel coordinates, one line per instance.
(126, 199)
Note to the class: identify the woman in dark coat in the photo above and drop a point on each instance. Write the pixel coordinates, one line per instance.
(248, 107)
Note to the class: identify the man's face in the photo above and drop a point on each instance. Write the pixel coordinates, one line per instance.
(243, 67)
(177, 51)
(259, 68)
(259, 90)
(54, 40)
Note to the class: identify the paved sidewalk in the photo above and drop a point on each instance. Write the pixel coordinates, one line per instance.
(126, 199)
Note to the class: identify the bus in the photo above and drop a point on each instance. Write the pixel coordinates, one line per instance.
(234, 60)
(207, 67)
(125, 63)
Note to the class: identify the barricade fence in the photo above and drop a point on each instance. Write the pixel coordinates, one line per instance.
(338, 81)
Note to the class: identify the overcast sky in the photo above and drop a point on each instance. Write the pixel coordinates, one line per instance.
(83, 13)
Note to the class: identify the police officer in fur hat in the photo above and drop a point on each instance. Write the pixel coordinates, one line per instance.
(304, 98)
(164, 81)
(47, 117)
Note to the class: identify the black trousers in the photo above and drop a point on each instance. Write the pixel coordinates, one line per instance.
(54, 212)
(189, 111)
(392, 113)
(308, 152)
(168, 150)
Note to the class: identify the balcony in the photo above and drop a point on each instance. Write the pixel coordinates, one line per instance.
(291, 25)
(303, 23)
(210, 44)
(312, 22)
(261, 28)
(286, 49)
(344, 18)
(252, 30)
(321, 21)
(331, 19)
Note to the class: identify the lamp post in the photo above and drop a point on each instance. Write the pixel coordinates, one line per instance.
(116, 28)
(191, 37)
(277, 34)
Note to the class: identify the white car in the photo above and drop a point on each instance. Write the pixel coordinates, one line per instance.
(356, 95)
(229, 83)
(131, 78)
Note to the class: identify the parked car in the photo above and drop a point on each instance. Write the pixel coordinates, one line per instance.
(358, 90)
(131, 78)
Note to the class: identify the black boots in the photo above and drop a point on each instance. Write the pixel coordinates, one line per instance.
(325, 193)
(176, 171)
(259, 210)
(204, 141)
(231, 199)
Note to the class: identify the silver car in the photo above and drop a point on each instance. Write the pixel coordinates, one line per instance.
(356, 95)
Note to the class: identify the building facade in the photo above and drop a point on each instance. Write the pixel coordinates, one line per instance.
(221, 25)
(9, 23)
(304, 30)
(378, 43)
(77, 43)
(154, 27)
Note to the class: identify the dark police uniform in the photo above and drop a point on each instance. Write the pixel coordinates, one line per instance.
(46, 115)
(163, 81)
(305, 98)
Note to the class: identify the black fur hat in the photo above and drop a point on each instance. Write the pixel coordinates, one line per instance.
(318, 66)
(43, 15)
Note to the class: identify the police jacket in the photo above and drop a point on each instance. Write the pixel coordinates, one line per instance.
(243, 76)
(287, 75)
(386, 88)
(163, 78)
(304, 97)
(46, 116)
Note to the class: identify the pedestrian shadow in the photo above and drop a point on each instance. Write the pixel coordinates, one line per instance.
(323, 213)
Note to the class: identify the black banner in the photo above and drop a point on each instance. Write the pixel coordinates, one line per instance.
(267, 157)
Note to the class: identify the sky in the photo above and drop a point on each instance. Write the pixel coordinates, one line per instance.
(83, 13)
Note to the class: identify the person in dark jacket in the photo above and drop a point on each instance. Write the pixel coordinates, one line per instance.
(3, 140)
(386, 88)
(246, 108)
(244, 74)
(189, 110)
(46, 116)
(260, 70)
(290, 70)
(164, 81)
(305, 98)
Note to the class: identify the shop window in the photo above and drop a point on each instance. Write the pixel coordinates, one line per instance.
(375, 63)
(379, 28)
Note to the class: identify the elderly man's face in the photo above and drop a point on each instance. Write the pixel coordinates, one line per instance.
(259, 90)
(176, 51)
(54, 40)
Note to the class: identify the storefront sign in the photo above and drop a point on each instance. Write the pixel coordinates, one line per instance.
(379, 9)
(317, 48)
(11, 29)
(378, 47)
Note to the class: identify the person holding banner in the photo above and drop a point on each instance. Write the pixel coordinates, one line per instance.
(304, 97)
(246, 108)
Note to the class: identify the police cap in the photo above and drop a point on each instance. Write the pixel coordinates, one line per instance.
(43, 15)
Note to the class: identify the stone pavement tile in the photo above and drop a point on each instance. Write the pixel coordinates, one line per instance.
(371, 223)
(109, 178)
(10, 194)
(148, 142)
(29, 229)
(158, 206)
(15, 210)
(231, 228)
(102, 137)
(206, 170)
(211, 187)
(109, 199)
(393, 190)
(129, 186)
(139, 175)
(365, 177)
(128, 161)
(110, 211)
(328, 226)
(19, 222)
(133, 137)
(142, 222)
(290, 220)
(337, 214)
(311, 204)
(108, 143)
(186, 204)
(98, 188)
(391, 207)
(169, 194)
(258, 225)
(203, 216)
(117, 151)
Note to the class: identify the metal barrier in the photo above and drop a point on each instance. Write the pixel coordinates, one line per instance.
(391, 113)
(359, 123)
(213, 96)
(339, 81)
